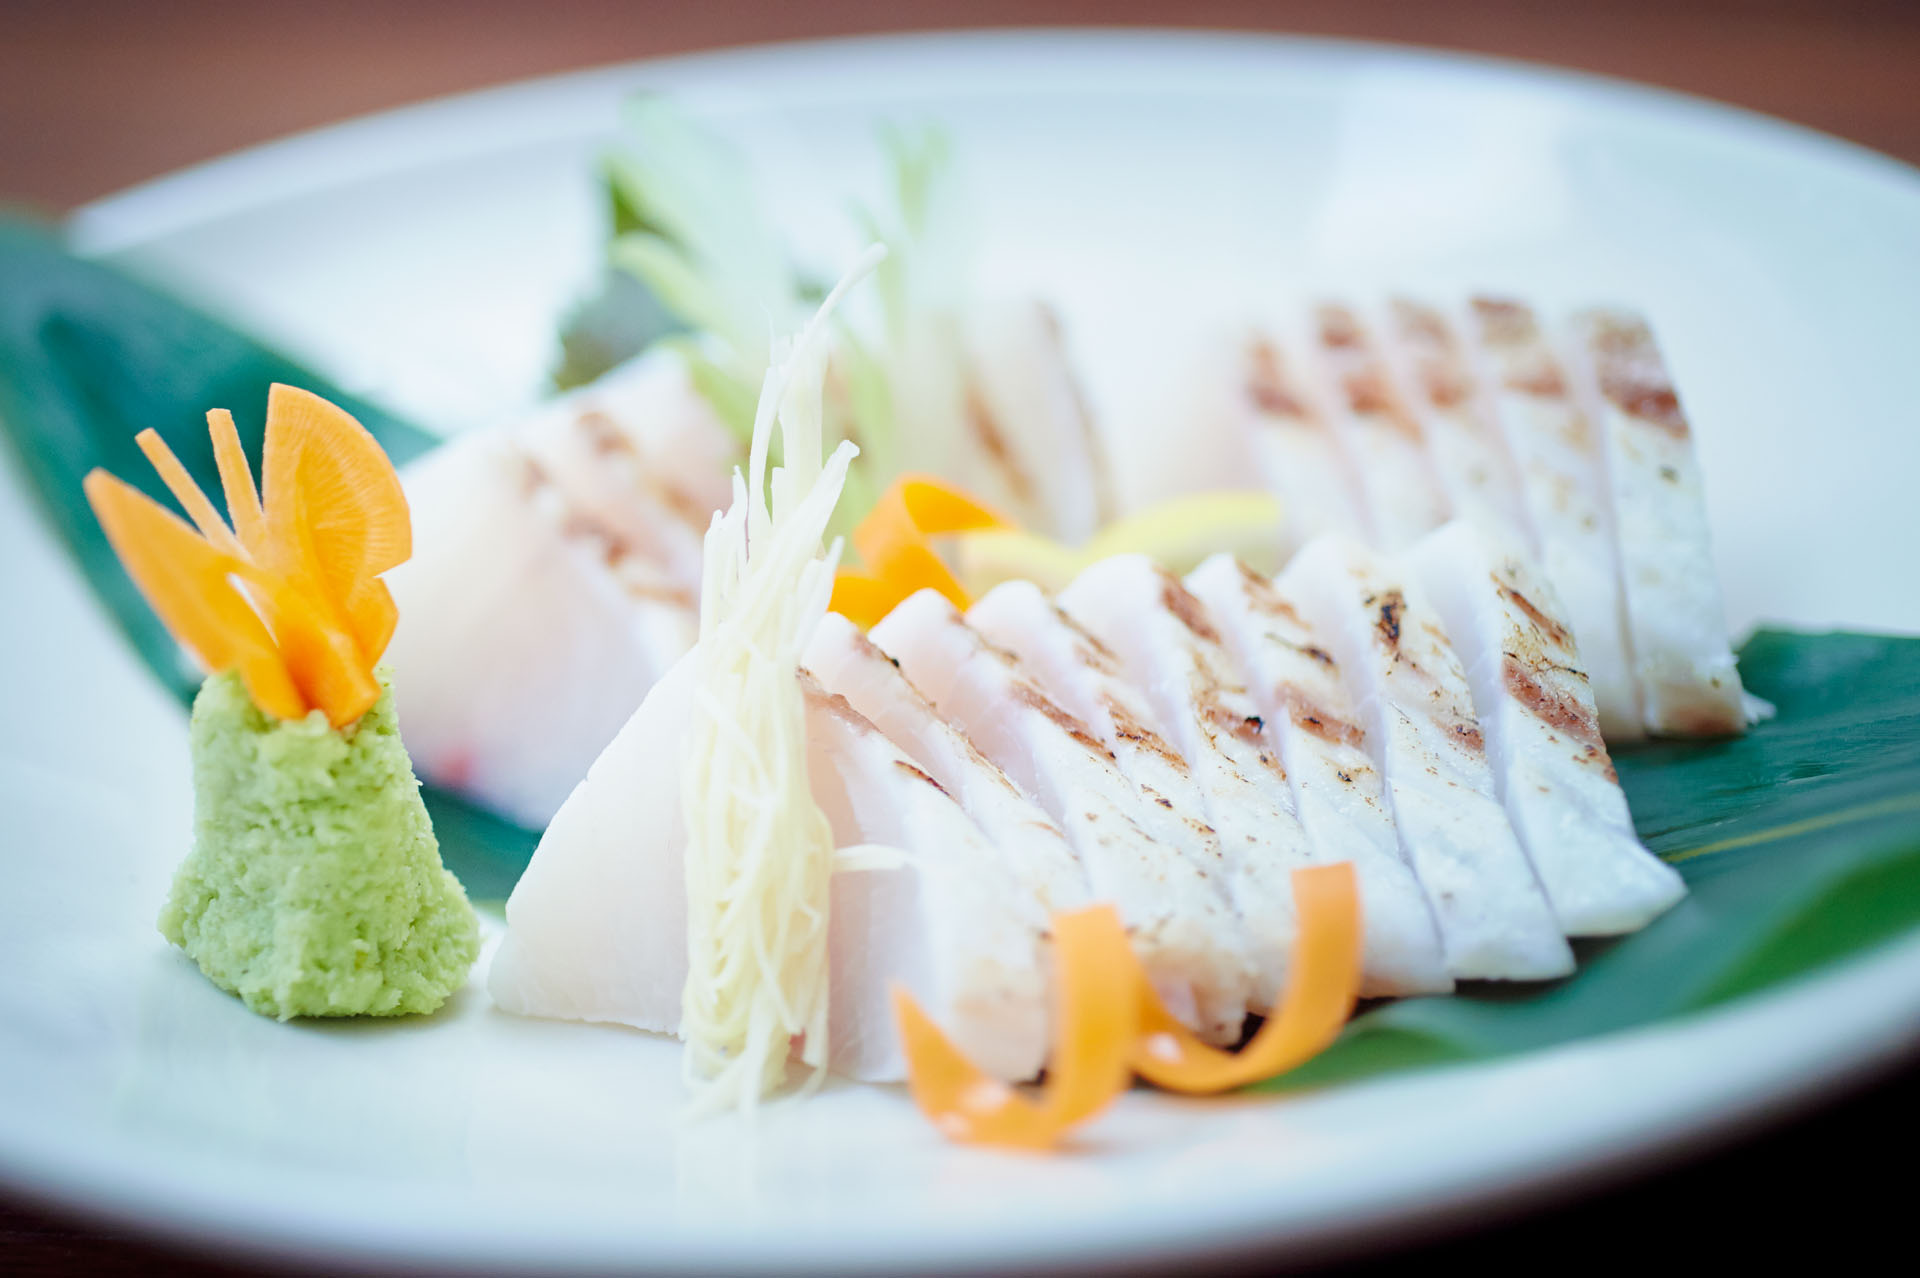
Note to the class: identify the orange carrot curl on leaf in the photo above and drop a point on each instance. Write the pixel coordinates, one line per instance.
(893, 542)
(290, 595)
(1110, 1025)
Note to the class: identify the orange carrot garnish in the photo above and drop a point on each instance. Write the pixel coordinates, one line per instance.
(1093, 1035)
(190, 585)
(1322, 983)
(290, 595)
(893, 543)
(1109, 1024)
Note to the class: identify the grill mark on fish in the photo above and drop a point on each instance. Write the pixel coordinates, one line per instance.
(1436, 352)
(1505, 322)
(1632, 376)
(1309, 716)
(1090, 650)
(1562, 637)
(1129, 728)
(913, 771)
(1557, 711)
(1189, 610)
(1265, 383)
(1028, 695)
(1390, 608)
(1337, 326)
(992, 438)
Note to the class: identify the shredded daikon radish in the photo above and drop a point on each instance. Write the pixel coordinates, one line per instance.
(759, 852)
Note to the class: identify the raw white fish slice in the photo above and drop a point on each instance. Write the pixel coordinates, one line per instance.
(596, 927)
(1383, 438)
(1167, 645)
(1025, 838)
(949, 922)
(1337, 791)
(1494, 918)
(526, 637)
(1677, 624)
(1549, 763)
(1030, 422)
(1294, 445)
(1556, 451)
(1463, 440)
(1082, 676)
(1182, 925)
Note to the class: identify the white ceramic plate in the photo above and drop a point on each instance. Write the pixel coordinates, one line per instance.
(1152, 184)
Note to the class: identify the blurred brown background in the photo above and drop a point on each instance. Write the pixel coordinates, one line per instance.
(97, 95)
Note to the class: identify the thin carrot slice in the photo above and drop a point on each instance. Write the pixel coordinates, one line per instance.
(188, 494)
(236, 482)
(335, 512)
(892, 539)
(1093, 1035)
(371, 618)
(1322, 983)
(863, 599)
(323, 660)
(189, 585)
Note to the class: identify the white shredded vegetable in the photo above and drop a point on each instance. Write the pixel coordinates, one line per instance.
(759, 852)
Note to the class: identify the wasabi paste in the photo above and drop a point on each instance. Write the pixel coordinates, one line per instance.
(314, 887)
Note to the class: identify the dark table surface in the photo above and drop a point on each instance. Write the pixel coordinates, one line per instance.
(95, 96)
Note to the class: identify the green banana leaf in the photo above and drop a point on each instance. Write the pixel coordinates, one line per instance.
(1800, 841)
(89, 358)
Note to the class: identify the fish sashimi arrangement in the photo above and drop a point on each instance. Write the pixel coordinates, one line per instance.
(1185, 753)
(1023, 791)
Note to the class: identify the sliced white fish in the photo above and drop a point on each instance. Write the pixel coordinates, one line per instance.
(1182, 925)
(1463, 440)
(1029, 421)
(596, 927)
(527, 635)
(1168, 646)
(949, 922)
(1337, 791)
(1549, 763)
(1563, 482)
(1294, 445)
(1415, 705)
(1082, 676)
(1026, 839)
(1379, 430)
(1677, 623)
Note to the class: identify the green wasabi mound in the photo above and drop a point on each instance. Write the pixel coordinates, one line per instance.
(315, 886)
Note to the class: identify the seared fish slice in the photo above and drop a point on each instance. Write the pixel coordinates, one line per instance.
(1337, 791)
(1082, 676)
(528, 633)
(1183, 926)
(1383, 437)
(1563, 480)
(1294, 444)
(1168, 646)
(1543, 736)
(1027, 418)
(948, 921)
(1463, 440)
(1688, 683)
(597, 928)
(1025, 838)
(1494, 919)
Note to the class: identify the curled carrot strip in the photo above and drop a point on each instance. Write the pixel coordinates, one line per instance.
(1109, 1024)
(892, 541)
(1094, 1030)
(309, 616)
(1322, 983)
